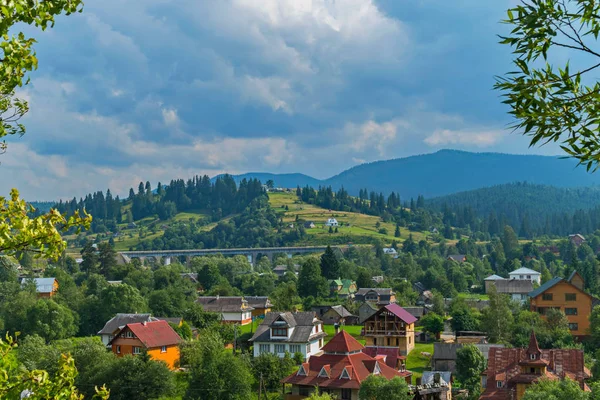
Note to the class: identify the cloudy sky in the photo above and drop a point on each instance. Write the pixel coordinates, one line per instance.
(134, 90)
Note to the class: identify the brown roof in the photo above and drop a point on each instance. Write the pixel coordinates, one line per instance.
(223, 304)
(510, 286)
(261, 302)
(153, 334)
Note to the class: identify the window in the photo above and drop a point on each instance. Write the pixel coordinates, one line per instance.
(346, 394)
(570, 311)
(374, 341)
(574, 327)
(388, 341)
(532, 356)
(264, 348)
(570, 296)
(279, 332)
(304, 390)
(118, 349)
(308, 349)
(163, 349)
(547, 296)
(136, 350)
(129, 334)
(499, 384)
(295, 348)
(320, 343)
(279, 348)
(521, 276)
(528, 276)
(532, 370)
(344, 374)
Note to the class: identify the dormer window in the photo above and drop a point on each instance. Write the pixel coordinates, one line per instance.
(323, 373)
(533, 356)
(344, 374)
(498, 384)
(301, 371)
(279, 332)
(376, 370)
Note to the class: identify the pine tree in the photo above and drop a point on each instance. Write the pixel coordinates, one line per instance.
(330, 265)
(397, 232)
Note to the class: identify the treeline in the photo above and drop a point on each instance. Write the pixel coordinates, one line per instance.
(219, 198)
(531, 210)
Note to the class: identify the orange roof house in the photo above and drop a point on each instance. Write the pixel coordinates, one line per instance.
(567, 295)
(510, 371)
(340, 370)
(156, 337)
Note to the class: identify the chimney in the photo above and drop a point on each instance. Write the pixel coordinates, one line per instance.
(144, 323)
(217, 297)
(336, 326)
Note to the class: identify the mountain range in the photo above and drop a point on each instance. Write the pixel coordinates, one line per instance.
(444, 172)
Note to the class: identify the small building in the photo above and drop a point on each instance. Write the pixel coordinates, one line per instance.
(380, 296)
(440, 380)
(425, 298)
(309, 225)
(390, 326)
(157, 338)
(490, 280)
(342, 288)
(417, 311)
(577, 239)
(459, 258)
(526, 274)
(511, 371)
(444, 354)
(261, 305)
(567, 295)
(118, 322)
(233, 309)
(190, 276)
(280, 270)
(339, 370)
(331, 222)
(377, 279)
(390, 251)
(44, 287)
(365, 310)
(335, 315)
(518, 290)
(281, 332)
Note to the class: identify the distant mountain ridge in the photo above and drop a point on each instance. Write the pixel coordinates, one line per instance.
(445, 172)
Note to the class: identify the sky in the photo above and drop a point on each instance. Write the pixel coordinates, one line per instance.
(131, 90)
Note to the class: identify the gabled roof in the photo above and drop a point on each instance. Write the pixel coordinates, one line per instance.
(389, 355)
(428, 377)
(223, 303)
(401, 313)
(302, 322)
(379, 291)
(120, 320)
(516, 286)
(42, 285)
(153, 334)
(524, 271)
(341, 311)
(258, 301)
(342, 343)
(493, 278)
(457, 257)
(552, 282)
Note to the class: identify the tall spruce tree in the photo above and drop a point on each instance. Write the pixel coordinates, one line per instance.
(330, 265)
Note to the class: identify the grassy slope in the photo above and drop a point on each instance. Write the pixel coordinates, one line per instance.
(417, 363)
(361, 225)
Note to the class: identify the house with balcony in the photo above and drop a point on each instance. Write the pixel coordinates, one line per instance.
(511, 371)
(380, 296)
(526, 274)
(157, 338)
(569, 296)
(390, 326)
(233, 309)
(287, 332)
(339, 371)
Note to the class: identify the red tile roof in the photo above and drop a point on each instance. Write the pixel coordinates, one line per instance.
(390, 355)
(401, 313)
(342, 343)
(154, 334)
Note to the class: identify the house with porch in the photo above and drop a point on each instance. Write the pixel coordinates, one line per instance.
(157, 338)
(390, 326)
(281, 332)
(233, 309)
(339, 371)
(511, 371)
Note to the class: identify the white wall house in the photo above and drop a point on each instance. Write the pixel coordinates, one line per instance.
(234, 309)
(526, 274)
(331, 222)
(279, 333)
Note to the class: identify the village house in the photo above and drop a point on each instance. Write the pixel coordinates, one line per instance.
(577, 239)
(331, 315)
(342, 288)
(526, 274)
(433, 385)
(567, 295)
(282, 332)
(261, 305)
(459, 258)
(365, 310)
(390, 326)
(331, 222)
(517, 289)
(157, 338)
(44, 287)
(233, 309)
(380, 296)
(511, 371)
(339, 371)
(490, 281)
(309, 225)
(118, 322)
(390, 251)
(444, 354)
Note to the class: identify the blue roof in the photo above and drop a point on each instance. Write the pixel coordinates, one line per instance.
(43, 285)
(545, 286)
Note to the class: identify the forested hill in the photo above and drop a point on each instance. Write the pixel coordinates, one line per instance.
(445, 172)
(541, 208)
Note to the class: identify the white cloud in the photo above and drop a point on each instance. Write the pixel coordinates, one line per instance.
(475, 138)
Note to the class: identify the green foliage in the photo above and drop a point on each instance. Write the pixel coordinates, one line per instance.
(464, 318)
(310, 281)
(565, 389)
(272, 369)
(497, 319)
(330, 265)
(432, 323)
(554, 104)
(376, 387)
(469, 366)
